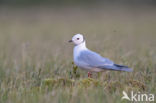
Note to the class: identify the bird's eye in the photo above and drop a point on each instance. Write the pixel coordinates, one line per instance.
(78, 38)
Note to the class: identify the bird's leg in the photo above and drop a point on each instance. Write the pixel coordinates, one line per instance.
(89, 74)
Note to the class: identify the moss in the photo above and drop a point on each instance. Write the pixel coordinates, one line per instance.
(89, 82)
(137, 84)
(54, 83)
(113, 86)
(48, 82)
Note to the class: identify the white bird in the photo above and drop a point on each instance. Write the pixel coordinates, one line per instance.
(91, 61)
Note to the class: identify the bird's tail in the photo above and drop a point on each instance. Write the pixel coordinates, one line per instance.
(123, 68)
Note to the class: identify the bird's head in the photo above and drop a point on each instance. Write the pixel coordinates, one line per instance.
(77, 39)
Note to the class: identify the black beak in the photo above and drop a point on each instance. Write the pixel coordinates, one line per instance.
(70, 41)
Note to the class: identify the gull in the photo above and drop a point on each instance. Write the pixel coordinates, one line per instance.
(92, 61)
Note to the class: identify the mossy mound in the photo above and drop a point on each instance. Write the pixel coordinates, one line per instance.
(87, 82)
(54, 83)
(137, 85)
(111, 86)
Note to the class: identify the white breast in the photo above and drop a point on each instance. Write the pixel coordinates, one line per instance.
(77, 50)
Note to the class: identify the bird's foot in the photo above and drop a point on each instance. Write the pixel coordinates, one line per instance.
(89, 74)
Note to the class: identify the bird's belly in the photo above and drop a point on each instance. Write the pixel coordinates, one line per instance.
(86, 67)
(93, 69)
(82, 65)
(96, 70)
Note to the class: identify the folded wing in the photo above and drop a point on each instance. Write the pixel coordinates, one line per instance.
(94, 60)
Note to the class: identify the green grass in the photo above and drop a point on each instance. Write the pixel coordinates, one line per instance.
(36, 59)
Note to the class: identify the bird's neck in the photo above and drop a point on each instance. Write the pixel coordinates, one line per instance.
(79, 48)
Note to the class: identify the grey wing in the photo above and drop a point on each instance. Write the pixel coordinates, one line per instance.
(93, 59)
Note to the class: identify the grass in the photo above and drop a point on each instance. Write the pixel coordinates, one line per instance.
(36, 59)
